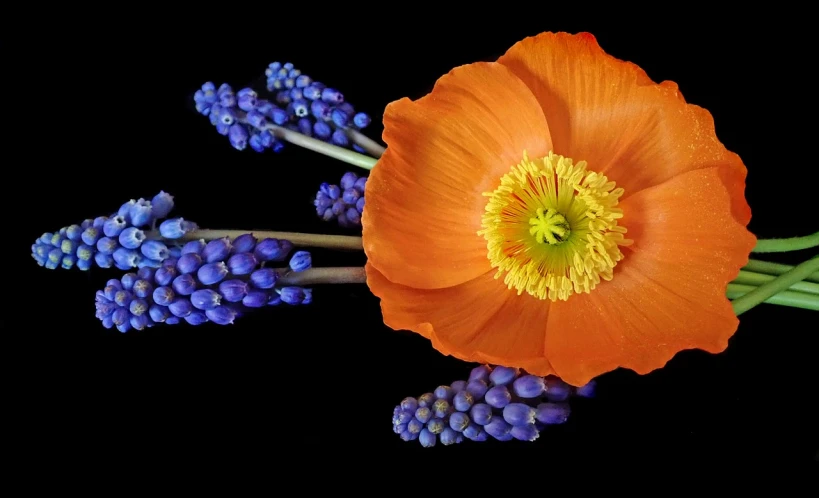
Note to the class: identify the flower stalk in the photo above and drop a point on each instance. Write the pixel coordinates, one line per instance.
(775, 286)
(343, 242)
(313, 276)
(789, 244)
(315, 145)
(785, 298)
(769, 268)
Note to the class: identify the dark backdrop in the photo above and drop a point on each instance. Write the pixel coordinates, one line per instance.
(116, 122)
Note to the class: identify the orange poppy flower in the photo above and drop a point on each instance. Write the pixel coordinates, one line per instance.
(556, 211)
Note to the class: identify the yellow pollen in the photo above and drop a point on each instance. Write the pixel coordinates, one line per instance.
(551, 228)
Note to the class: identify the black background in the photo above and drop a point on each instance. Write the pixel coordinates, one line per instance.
(117, 123)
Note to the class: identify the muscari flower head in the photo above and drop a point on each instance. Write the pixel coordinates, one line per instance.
(214, 282)
(483, 407)
(125, 239)
(296, 102)
(343, 202)
(596, 239)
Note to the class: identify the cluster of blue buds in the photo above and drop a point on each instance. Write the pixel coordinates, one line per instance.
(126, 239)
(344, 202)
(214, 282)
(500, 402)
(299, 104)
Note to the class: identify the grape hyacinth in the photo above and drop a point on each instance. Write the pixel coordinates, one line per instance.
(298, 103)
(122, 240)
(502, 403)
(214, 282)
(343, 202)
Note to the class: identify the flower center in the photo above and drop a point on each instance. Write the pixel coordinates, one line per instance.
(551, 227)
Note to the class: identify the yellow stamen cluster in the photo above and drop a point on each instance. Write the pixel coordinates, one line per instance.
(551, 227)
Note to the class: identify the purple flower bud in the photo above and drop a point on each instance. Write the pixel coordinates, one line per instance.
(256, 119)
(123, 297)
(350, 196)
(588, 390)
(222, 315)
(556, 389)
(99, 222)
(244, 243)
(293, 295)
(313, 91)
(247, 101)
(161, 204)
(146, 273)
(74, 232)
(68, 246)
(498, 397)
(255, 299)
(410, 404)
(217, 250)
(414, 426)
(189, 263)
(233, 291)
(527, 432)
(184, 285)
(300, 261)
(279, 116)
(68, 261)
(194, 247)
(477, 388)
(361, 120)
(107, 322)
(272, 250)
(125, 327)
(480, 373)
(399, 428)
(481, 413)
(458, 386)
(149, 263)
(423, 414)
(159, 313)
(472, 431)
(444, 392)
(46, 238)
(339, 207)
(441, 408)
(502, 376)
(107, 245)
(448, 436)
(361, 184)
(181, 307)
(114, 226)
(226, 117)
(90, 236)
(242, 263)
(154, 249)
(138, 307)
(212, 273)
(205, 299)
(55, 255)
(302, 81)
(322, 130)
(140, 213)
(104, 260)
(163, 295)
(331, 95)
(519, 414)
(126, 258)
(165, 275)
(426, 400)
(340, 118)
(528, 386)
(264, 278)
(436, 426)
(498, 429)
(458, 421)
(402, 417)
(143, 288)
(348, 180)
(196, 318)
(301, 106)
(176, 228)
(463, 401)
(426, 438)
(120, 316)
(353, 216)
(172, 261)
(84, 252)
(171, 320)
(552, 413)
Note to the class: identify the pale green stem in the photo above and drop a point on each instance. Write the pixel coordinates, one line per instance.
(298, 239)
(775, 286)
(784, 298)
(330, 150)
(313, 276)
(372, 147)
(754, 279)
(775, 269)
(785, 245)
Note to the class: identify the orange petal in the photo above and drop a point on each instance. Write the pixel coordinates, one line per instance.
(480, 320)
(609, 113)
(668, 294)
(424, 201)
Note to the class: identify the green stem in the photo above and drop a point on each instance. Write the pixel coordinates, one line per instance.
(340, 153)
(757, 266)
(339, 275)
(784, 298)
(775, 286)
(299, 239)
(372, 147)
(754, 279)
(785, 245)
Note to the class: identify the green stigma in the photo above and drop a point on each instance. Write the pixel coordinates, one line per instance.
(549, 227)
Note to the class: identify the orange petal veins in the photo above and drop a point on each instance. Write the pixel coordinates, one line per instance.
(424, 201)
(609, 113)
(480, 320)
(668, 294)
